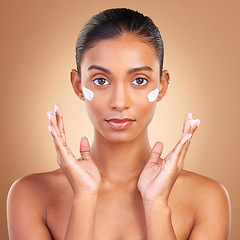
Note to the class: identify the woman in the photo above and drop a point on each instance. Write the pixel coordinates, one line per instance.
(120, 188)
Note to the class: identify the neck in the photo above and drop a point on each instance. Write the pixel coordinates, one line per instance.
(120, 162)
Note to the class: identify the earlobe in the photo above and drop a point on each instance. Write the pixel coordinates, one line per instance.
(164, 81)
(76, 83)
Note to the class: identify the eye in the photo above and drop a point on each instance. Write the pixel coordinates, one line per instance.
(100, 81)
(140, 81)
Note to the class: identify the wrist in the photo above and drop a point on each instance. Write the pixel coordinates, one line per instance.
(160, 209)
(83, 196)
(163, 203)
(162, 200)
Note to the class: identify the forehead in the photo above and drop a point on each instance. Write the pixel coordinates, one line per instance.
(127, 51)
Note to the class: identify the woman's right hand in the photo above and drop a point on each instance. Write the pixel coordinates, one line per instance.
(82, 174)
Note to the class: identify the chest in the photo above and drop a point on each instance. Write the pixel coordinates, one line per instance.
(119, 216)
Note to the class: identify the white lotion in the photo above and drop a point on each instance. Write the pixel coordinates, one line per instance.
(88, 94)
(152, 96)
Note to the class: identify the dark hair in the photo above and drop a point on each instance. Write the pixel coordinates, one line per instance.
(112, 23)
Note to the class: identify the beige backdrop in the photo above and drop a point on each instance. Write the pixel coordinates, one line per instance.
(201, 53)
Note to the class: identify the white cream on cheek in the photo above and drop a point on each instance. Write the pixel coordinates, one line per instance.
(152, 96)
(88, 94)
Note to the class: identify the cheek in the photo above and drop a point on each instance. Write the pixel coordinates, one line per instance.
(94, 104)
(96, 110)
(142, 104)
(145, 111)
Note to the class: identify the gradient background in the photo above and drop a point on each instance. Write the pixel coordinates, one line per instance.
(201, 53)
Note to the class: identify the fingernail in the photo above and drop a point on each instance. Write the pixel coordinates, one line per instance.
(190, 115)
(49, 115)
(83, 138)
(55, 108)
(50, 129)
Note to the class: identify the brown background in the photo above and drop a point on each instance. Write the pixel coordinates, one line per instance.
(201, 53)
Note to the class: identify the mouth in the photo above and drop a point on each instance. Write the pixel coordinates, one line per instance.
(120, 123)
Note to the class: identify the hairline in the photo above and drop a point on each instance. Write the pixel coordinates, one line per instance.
(124, 32)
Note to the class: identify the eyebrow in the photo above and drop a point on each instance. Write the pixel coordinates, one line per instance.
(145, 68)
(99, 68)
(138, 69)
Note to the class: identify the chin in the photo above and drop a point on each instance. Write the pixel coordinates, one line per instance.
(122, 136)
(119, 138)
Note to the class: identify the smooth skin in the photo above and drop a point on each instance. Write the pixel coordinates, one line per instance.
(120, 188)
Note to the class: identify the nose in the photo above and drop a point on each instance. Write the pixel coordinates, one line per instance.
(120, 98)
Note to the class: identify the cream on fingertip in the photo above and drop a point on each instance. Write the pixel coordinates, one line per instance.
(195, 121)
(50, 130)
(192, 122)
(198, 122)
(55, 108)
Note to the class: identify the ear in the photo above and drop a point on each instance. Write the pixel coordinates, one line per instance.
(76, 83)
(164, 81)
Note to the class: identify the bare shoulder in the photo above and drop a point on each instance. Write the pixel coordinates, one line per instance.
(35, 185)
(211, 204)
(35, 190)
(27, 201)
(203, 188)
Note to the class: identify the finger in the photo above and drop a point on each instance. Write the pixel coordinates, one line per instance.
(85, 149)
(63, 151)
(53, 122)
(176, 152)
(56, 147)
(53, 126)
(183, 154)
(66, 157)
(59, 117)
(187, 123)
(194, 125)
(190, 125)
(156, 153)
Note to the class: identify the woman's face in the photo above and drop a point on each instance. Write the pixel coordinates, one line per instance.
(120, 80)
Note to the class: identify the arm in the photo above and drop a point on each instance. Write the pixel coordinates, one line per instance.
(213, 216)
(82, 220)
(27, 218)
(25, 215)
(84, 178)
(159, 222)
(156, 182)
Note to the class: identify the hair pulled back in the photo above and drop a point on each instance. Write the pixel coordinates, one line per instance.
(112, 23)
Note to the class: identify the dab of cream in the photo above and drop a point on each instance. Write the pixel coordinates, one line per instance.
(152, 96)
(88, 94)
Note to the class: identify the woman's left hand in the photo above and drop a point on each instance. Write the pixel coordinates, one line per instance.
(159, 175)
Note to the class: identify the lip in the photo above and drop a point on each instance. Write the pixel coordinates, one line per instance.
(120, 123)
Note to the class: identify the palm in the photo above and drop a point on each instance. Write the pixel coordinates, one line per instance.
(82, 174)
(159, 175)
(155, 178)
(90, 169)
(81, 171)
